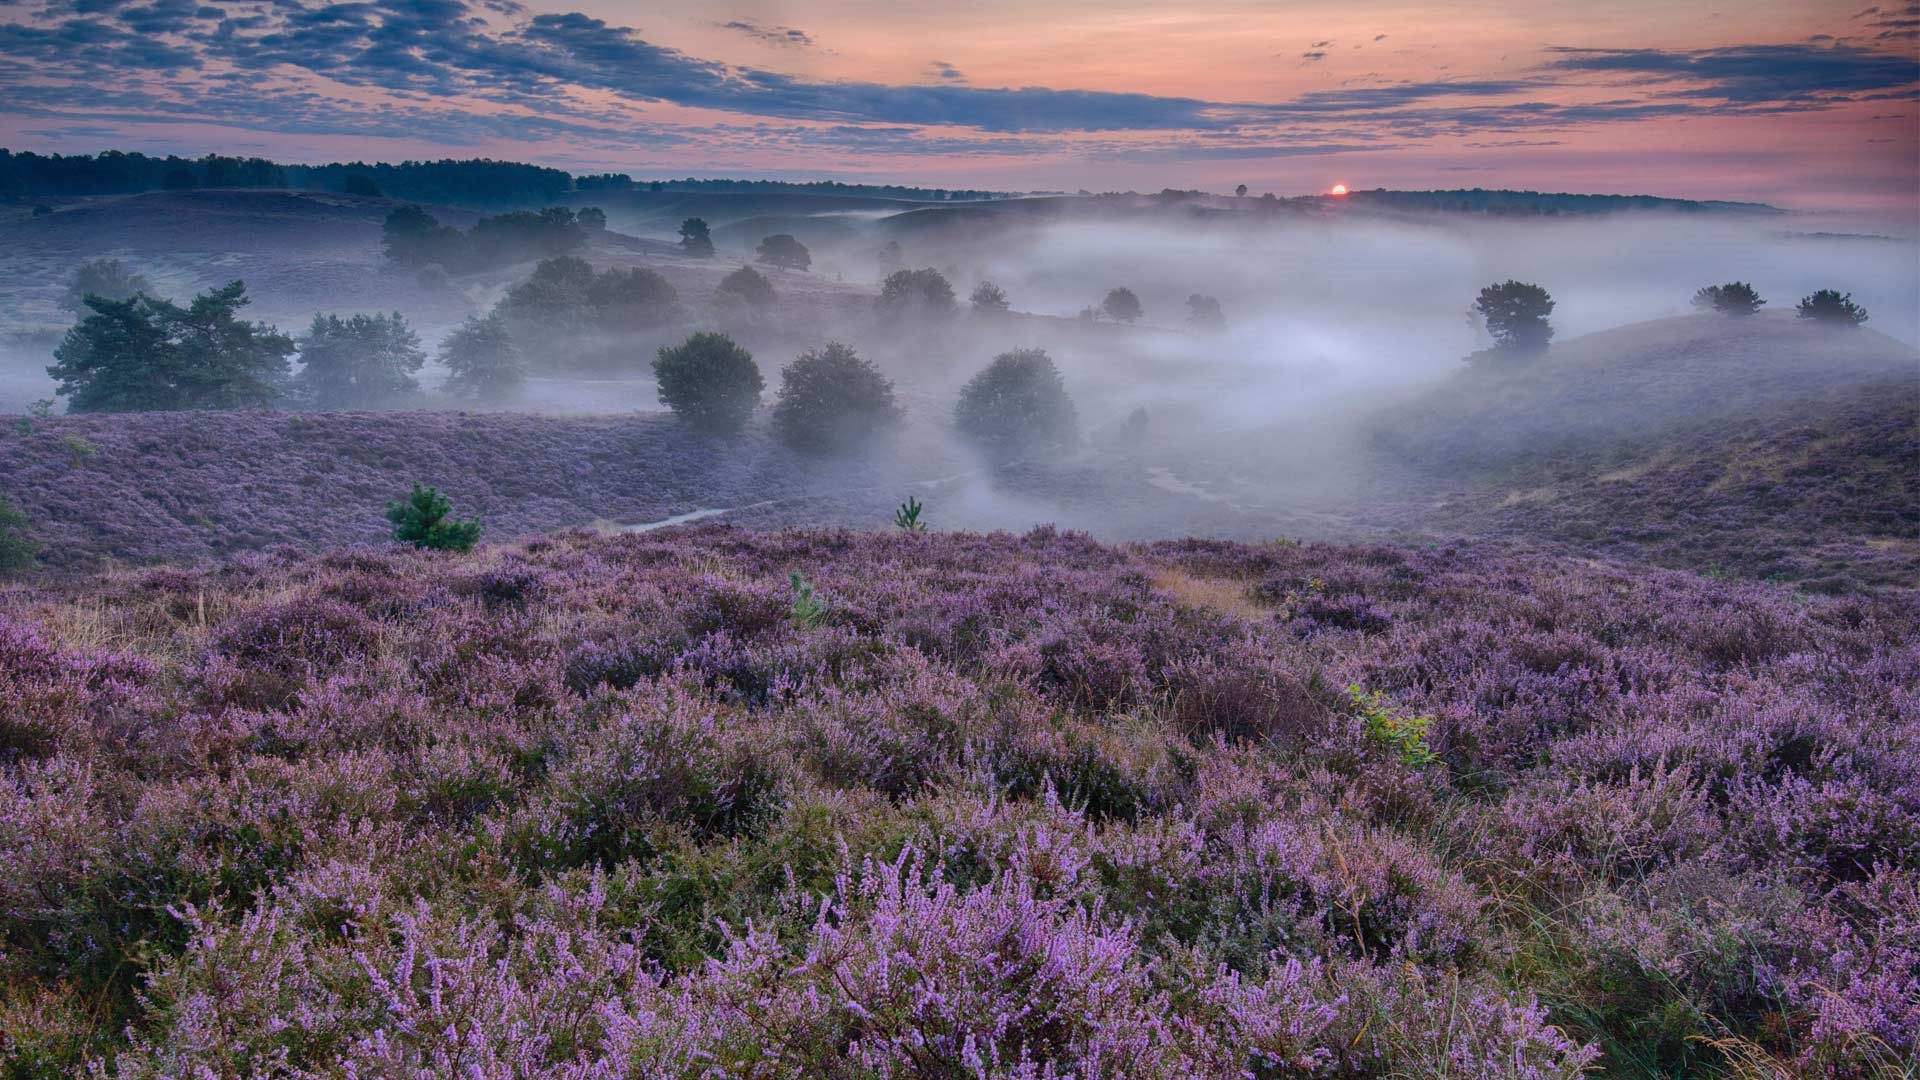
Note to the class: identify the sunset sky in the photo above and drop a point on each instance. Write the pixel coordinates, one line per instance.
(1801, 104)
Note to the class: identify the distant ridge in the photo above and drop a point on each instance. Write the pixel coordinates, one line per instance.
(1503, 201)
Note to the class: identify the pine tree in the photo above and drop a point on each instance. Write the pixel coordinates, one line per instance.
(422, 520)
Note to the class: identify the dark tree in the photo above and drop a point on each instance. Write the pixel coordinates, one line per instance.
(695, 240)
(109, 278)
(1121, 305)
(746, 287)
(423, 520)
(1203, 313)
(1733, 298)
(593, 219)
(989, 299)
(1240, 192)
(359, 362)
(179, 179)
(1830, 306)
(831, 400)
(484, 361)
(709, 382)
(525, 234)
(632, 299)
(1516, 315)
(552, 302)
(17, 552)
(413, 237)
(146, 354)
(784, 251)
(1017, 405)
(360, 184)
(915, 293)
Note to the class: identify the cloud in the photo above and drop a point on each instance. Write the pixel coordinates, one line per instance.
(942, 70)
(1313, 54)
(1755, 73)
(785, 37)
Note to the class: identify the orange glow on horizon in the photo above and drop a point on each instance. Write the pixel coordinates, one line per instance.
(1337, 189)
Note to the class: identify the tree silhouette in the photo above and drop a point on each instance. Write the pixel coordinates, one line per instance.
(1121, 305)
(1516, 315)
(1830, 306)
(1733, 298)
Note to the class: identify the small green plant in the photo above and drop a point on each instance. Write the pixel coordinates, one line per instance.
(39, 410)
(808, 610)
(79, 448)
(908, 516)
(1387, 725)
(422, 520)
(16, 551)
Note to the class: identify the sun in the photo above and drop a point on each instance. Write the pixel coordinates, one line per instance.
(1337, 189)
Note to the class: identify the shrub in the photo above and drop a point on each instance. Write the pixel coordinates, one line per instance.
(109, 278)
(832, 400)
(988, 298)
(783, 251)
(484, 361)
(632, 299)
(1733, 298)
(907, 517)
(1203, 313)
(709, 382)
(909, 293)
(145, 354)
(1830, 306)
(746, 287)
(422, 520)
(17, 552)
(358, 362)
(695, 240)
(1018, 404)
(1121, 305)
(1516, 315)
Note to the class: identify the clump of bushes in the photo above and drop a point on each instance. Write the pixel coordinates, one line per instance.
(907, 294)
(832, 400)
(425, 520)
(565, 297)
(1734, 298)
(1017, 405)
(709, 382)
(1833, 308)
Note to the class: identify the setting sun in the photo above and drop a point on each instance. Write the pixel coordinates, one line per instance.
(1337, 189)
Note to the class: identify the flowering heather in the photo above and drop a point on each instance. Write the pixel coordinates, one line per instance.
(1003, 806)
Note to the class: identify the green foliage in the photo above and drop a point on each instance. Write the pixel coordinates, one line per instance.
(746, 287)
(1831, 306)
(484, 361)
(79, 448)
(1733, 298)
(1121, 305)
(109, 278)
(1516, 315)
(709, 382)
(1203, 313)
(808, 610)
(907, 518)
(146, 354)
(1018, 404)
(783, 251)
(422, 520)
(17, 553)
(923, 292)
(592, 219)
(695, 240)
(360, 184)
(989, 299)
(631, 299)
(1405, 735)
(832, 400)
(564, 297)
(359, 362)
(413, 237)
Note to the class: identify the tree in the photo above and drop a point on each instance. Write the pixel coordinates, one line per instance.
(551, 302)
(1733, 298)
(831, 400)
(484, 361)
(915, 293)
(632, 299)
(179, 179)
(1203, 313)
(146, 354)
(1240, 192)
(1018, 404)
(359, 362)
(1121, 305)
(593, 219)
(1830, 306)
(422, 520)
(709, 382)
(784, 251)
(746, 287)
(360, 184)
(17, 552)
(989, 299)
(110, 278)
(1516, 315)
(524, 234)
(695, 240)
(413, 237)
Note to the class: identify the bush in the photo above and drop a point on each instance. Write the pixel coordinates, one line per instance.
(1203, 313)
(358, 362)
(109, 278)
(592, 219)
(1516, 315)
(1733, 298)
(695, 239)
(551, 302)
(988, 298)
(908, 293)
(484, 361)
(1830, 306)
(831, 400)
(746, 287)
(632, 299)
(709, 382)
(1017, 405)
(17, 553)
(1121, 305)
(422, 520)
(784, 251)
(143, 354)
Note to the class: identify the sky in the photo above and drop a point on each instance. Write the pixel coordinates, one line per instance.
(1808, 105)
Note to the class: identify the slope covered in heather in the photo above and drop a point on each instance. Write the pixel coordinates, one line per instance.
(1001, 806)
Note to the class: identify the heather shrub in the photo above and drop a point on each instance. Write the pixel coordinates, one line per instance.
(831, 400)
(709, 382)
(1017, 405)
(424, 519)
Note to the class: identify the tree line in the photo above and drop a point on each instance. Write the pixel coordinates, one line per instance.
(476, 182)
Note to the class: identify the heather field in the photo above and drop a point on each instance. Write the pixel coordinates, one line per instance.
(705, 802)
